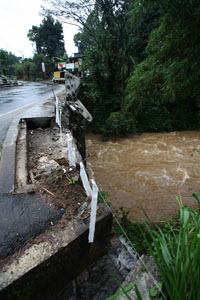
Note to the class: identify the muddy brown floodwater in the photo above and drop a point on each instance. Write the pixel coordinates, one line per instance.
(148, 171)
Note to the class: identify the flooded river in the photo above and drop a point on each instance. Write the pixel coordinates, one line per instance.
(148, 171)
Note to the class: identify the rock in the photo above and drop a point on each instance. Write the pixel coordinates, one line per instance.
(56, 129)
(62, 161)
(141, 277)
(55, 138)
(31, 164)
(125, 260)
(83, 277)
(34, 172)
(46, 165)
(30, 190)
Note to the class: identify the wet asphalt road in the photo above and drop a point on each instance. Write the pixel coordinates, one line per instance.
(16, 100)
(22, 215)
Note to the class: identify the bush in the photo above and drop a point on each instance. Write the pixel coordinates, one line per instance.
(38, 79)
(177, 254)
(154, 117)
(120, 123)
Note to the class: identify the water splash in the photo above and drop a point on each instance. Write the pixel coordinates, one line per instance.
(184, 174)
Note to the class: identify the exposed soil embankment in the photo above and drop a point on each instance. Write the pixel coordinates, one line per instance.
(54, 179)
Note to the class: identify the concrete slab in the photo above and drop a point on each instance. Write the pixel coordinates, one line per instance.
(60, 256)
(7, 162)
(43, 111)
(21, 160)
(61, 251)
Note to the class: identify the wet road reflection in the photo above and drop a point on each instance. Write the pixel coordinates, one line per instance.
(21, 95)
(14, 99)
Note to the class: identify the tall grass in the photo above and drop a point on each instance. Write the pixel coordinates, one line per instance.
(175, 248)
(177, 254)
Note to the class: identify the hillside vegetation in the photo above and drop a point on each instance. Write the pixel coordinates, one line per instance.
(142, 58)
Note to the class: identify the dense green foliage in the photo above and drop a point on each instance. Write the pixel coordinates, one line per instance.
(49, 41)
(7, 61)
(175, 247)
(111, 46)
(177, 254)
(164, 87)
(142, 62)
(48, 38)
(31, 68)
(110, 58)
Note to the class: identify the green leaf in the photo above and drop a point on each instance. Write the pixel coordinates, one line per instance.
(126, 289)
(138, 293)
(197, 197)
(155, 290)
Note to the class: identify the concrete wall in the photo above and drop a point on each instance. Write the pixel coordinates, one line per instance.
(48, 278)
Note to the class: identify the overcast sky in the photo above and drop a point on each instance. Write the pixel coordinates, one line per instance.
(16, 18)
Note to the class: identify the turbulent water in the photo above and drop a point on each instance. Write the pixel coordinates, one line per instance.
(147, 171)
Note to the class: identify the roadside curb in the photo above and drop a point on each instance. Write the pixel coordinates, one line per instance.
(8, 157)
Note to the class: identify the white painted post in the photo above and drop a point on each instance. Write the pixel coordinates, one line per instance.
(74, 155)
(85, 181)
(93, 211)
(70, 153)
(58, 118)
(57, 112)
(61, 127)
(43, 67)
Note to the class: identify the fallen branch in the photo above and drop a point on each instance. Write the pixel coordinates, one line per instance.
(50, 193)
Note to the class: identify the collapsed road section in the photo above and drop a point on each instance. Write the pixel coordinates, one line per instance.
(46, 210)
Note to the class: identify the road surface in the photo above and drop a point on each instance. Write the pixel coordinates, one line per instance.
(16, 100)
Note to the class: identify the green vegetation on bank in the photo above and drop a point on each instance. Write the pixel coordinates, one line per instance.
(142, 61)
(163, 91)
(175, 247)
(31, 68)
(7, 62)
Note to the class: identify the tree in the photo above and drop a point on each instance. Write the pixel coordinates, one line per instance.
(112, 45)
(24, 69)
(48, 38)
(37, 67)
(7, 61)
(164, 87)
(102, 39)
(31, 68)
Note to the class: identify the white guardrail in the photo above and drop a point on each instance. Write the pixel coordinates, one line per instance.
(90, 192)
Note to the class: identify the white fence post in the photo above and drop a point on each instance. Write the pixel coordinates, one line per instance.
(85, 180)
(71, 151)
(93, 211)
(58, 117)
